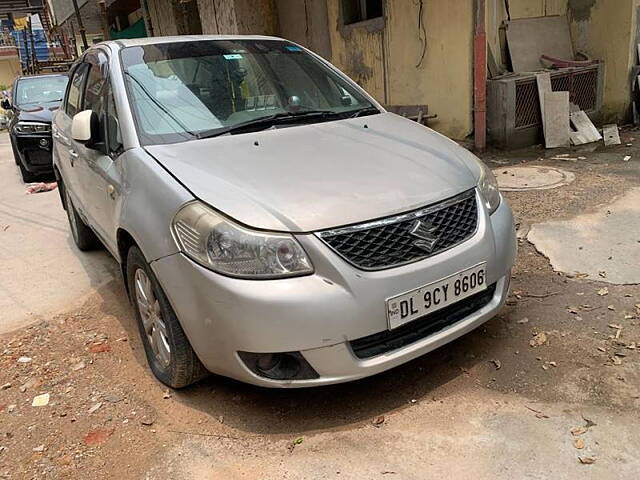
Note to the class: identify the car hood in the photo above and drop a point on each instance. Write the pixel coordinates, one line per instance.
(37, 112)
(322, 175)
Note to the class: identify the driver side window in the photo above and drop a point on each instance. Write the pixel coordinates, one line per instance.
(114, 137)
(74, 94)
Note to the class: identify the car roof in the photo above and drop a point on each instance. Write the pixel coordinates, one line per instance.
(61, 74)
(134, 42)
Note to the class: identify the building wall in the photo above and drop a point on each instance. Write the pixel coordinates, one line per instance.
(608, 34)
(387, 59)
(238, 17)
(600, 29)
(162, 17)
(389, 63)
(9, 70)
(305, 22)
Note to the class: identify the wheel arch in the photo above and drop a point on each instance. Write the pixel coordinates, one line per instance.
(125, 241)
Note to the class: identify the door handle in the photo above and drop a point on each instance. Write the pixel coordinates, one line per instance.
(73, 155)
(111, 190)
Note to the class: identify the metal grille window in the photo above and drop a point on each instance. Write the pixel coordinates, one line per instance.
(582, 87)
(408, 237)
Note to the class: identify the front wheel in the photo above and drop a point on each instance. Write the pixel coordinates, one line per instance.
(168, 351)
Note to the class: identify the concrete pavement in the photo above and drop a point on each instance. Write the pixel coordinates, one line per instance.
(604, 244)
(42, 272)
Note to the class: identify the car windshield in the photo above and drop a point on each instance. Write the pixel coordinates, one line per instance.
(186, 90)
(40, 89)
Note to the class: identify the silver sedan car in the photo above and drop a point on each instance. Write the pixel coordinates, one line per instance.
(273, 222)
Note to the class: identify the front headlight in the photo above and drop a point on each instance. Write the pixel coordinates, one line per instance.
(225, 247)
(32, 127)
(488, 186)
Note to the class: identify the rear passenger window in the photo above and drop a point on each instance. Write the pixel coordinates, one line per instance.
(74, 96)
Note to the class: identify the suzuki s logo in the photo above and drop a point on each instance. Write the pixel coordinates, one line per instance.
(425, 232)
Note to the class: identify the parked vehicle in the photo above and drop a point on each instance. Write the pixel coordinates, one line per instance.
(273, 223)
(34, 100)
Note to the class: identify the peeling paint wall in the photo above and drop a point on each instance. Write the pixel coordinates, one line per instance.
(162, 18)
(607, 32)
(218, 17)
(305, 22)
(385, 56)
(385, 59)
(443, 78)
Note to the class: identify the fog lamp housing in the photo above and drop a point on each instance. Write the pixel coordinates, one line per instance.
(279, 366)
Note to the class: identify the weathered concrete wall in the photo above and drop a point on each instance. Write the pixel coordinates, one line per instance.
(9, 70)
(218, 17)
(256, 17)
(305, 22)
(607, 32)
(162, 17)
(357, 51)
(443, 78)
(238, 17)
(386, 59)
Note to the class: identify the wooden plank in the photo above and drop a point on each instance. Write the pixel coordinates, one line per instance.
(544, 85)
(611, 134)
(556, 119)
(586, 131)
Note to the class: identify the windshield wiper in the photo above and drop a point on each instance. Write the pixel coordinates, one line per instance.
(364, 111)
(39, 101)
(262, 123)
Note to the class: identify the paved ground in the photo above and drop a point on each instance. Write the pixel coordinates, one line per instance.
(552, 382)
(41, 271)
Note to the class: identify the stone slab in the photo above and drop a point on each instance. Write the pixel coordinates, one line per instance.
(604, 244)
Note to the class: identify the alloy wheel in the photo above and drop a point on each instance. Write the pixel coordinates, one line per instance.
(151, 316)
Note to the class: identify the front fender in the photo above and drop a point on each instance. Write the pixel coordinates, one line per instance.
(149, 200)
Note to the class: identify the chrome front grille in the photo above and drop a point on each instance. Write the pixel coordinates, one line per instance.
(397, 240)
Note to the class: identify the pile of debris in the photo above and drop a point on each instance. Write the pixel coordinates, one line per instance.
(539, 85)
(564, 123)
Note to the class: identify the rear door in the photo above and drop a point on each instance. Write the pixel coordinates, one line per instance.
(65, 154)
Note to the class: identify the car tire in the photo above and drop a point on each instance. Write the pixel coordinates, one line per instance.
(83, 236)
(168, 351)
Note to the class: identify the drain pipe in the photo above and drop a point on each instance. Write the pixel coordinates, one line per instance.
(480, 78)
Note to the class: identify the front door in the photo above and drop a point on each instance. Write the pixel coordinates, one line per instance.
(99, 166)
(66, 155)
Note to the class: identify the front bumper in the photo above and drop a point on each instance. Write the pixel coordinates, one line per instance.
(35, 156)
(318, 315)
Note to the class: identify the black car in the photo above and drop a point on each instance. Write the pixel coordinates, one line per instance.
(34, 100)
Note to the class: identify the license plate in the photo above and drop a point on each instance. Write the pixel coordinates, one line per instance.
(417, 303)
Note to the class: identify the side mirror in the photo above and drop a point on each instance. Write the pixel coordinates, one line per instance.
(85, 128)
(6, 104)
